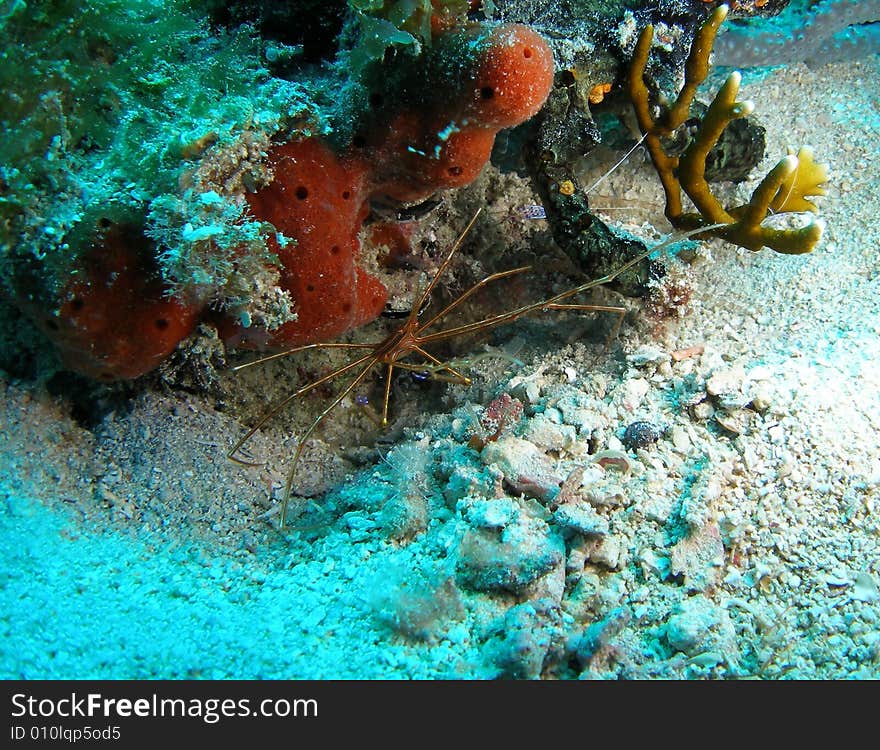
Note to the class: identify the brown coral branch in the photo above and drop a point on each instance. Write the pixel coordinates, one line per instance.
(786, 188)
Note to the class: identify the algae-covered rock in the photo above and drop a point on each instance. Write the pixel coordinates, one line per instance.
(107, 105)
(700, 628)
(519, 642)
(508, 558)
(581, 518)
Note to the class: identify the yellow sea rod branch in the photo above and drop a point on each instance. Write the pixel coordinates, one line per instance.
(786, 188)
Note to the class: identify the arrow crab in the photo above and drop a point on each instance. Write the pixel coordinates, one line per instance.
(407, 347)
(786, 193)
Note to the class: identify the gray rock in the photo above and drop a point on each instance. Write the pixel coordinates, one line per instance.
(704, 631)
(520, 641)
(698, 557)
(646, 355)
(581, 518)
(525, 468)
(549, 435)
(493, 514)
(508, 559)
(608, 552)
(404, 516)
(600, 635)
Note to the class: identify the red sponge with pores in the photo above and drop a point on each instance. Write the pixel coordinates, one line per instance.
(117, 321)
(420, 158)
(318, 199)
(435, 131)
(446, 144)
(318, 204)
(514, 78)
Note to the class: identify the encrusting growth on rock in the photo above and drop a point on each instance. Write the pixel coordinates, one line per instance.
(787, 188)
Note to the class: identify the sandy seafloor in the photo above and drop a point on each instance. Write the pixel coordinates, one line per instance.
(744, 543)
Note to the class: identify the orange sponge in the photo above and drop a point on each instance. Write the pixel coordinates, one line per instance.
(117, 320)
(317, 204)
(421, 156)
(447, 142)
(514, 77)
(415, 147)
(433, 128)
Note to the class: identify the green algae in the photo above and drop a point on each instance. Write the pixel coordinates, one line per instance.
(105, 103)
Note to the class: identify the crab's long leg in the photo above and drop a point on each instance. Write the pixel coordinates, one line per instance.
(587, 308)
(611, 171)
(495, 320)
(387, 395)
(465, 380)
(305, 347)
(475, 288)
(285, 401)
(445, 264)
(619, 311)
(434, 367)
(512, 315)
(417, 308)
(288, 487)
(671, 240)
(455, 377)
(423, 297)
